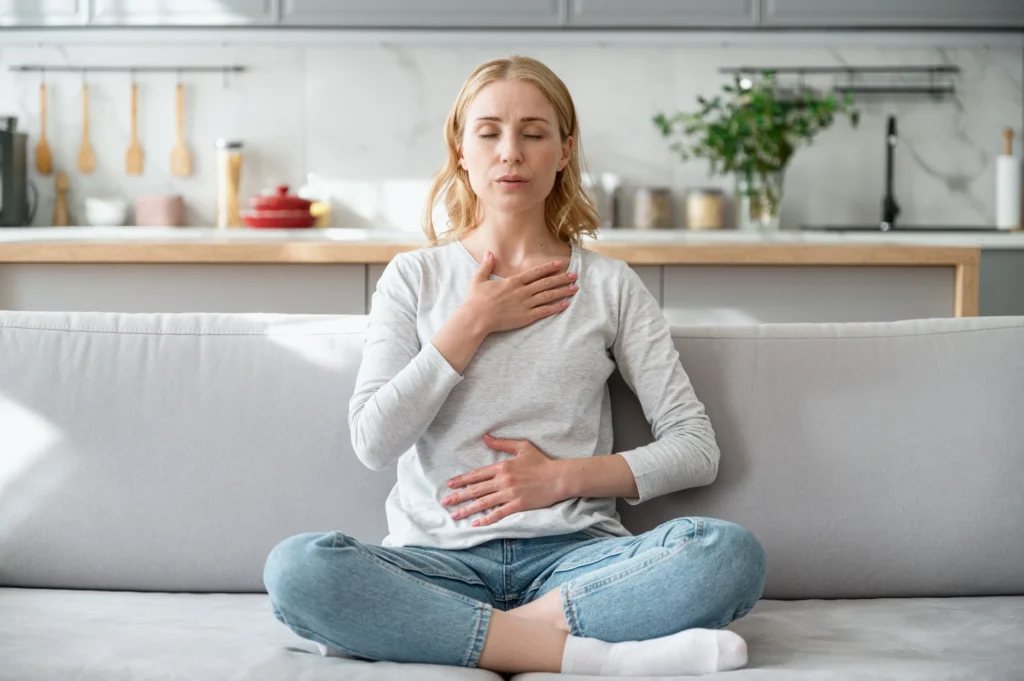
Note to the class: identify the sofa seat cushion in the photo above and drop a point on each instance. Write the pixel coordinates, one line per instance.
(884, 639)
(48, 634)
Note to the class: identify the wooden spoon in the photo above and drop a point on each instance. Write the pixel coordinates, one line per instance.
(133, 158)
(86, 159)
(44, 159)
(181, 161)
(60, 205)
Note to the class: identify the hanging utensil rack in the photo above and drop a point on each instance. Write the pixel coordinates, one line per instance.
(40, 68)
(933, 80)
(130, 69)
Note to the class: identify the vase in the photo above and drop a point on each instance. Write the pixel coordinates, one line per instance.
(758, 200)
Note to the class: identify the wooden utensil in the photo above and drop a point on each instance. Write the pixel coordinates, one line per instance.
(44, 159)
(86, 159)
(133, 157)
(60, 206)
(181, 160)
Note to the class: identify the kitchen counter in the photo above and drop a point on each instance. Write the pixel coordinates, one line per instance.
(665, 260)
(346, 245)
(786, 276)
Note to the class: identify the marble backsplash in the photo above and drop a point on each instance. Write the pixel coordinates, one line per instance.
(366, 119)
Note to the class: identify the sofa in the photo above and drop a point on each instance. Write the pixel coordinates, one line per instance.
(150, 462)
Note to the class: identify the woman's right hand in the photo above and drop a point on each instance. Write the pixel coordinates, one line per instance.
(519, 300)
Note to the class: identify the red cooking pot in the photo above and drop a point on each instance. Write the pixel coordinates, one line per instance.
(280, 210)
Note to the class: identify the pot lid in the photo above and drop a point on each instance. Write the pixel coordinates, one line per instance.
(280, 200)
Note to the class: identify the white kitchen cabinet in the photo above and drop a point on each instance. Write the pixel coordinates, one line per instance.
(754, 294)
(183, 287)
(43, 13)
(664, 13)
(424, 13)
(183, 12)
(894, 13)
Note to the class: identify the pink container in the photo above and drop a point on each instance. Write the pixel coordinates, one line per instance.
(160, 211)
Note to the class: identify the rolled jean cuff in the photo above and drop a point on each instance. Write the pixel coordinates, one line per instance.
(572, 617)
(476, 647)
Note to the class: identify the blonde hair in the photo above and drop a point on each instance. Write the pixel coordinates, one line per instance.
(568, 210)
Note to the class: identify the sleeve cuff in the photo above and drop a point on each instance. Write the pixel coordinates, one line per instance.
(642, 483)
(437, 360)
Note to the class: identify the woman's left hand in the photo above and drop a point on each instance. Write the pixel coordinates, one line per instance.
(528, 481)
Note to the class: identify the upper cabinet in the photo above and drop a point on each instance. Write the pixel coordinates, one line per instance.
(664, 13)
(894, 13)
(43, 12)
(523, 14)
(424, 14)
(183, 12)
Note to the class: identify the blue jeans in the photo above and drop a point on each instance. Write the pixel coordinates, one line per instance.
(413, 604)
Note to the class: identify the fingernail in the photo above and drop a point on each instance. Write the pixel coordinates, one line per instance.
(476, 523)
(454, 516)
(574, 287)
(487, 255)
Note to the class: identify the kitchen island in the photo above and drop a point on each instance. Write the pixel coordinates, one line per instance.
(718, 277)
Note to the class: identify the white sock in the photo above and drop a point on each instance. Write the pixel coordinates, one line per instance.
(688, 652)
(330, 652)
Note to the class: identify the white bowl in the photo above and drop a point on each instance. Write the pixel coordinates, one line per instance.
(105, 212)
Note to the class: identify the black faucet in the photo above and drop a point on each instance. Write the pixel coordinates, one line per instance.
(890, 209)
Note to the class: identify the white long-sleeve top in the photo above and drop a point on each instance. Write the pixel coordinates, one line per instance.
(546, 383)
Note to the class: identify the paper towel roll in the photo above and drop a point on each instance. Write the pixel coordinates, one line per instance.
(1008, 185)
(1008, 194)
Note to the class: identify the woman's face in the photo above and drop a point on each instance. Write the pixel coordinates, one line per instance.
(511, 147)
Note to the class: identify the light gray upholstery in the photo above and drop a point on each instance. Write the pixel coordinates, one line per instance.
(60, 635)
(170, 452)
(871, 459)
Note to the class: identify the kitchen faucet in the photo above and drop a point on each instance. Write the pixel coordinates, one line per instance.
(890, 209)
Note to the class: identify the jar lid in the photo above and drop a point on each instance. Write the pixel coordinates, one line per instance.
(228, 144)
(701, 191)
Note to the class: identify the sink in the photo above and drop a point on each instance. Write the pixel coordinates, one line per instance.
(903, 229)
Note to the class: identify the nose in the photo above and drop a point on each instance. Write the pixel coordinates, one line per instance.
(510, 149)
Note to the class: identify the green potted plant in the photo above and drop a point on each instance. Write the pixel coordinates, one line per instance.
(751, 131)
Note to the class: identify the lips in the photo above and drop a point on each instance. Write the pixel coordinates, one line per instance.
(512, 179)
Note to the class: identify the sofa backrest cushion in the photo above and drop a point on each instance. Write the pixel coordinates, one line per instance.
(171, 452)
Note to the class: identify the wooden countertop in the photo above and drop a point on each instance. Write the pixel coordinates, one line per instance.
(135, 245)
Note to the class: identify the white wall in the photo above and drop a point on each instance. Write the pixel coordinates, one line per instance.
(368, 115)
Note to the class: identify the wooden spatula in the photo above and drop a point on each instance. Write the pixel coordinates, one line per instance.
(86, 159)
(133, 157)
(44, 159)
(181, 161)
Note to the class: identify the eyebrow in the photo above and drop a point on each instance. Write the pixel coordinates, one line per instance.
(525, 119)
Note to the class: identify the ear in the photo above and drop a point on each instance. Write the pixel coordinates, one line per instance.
(566, 153)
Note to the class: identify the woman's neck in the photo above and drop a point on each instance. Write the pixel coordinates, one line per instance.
(515, 244)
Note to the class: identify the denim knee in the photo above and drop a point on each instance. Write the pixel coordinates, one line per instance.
(747, 561)
(288, 565)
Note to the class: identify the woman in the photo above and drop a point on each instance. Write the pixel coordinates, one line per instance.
(484, 377)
